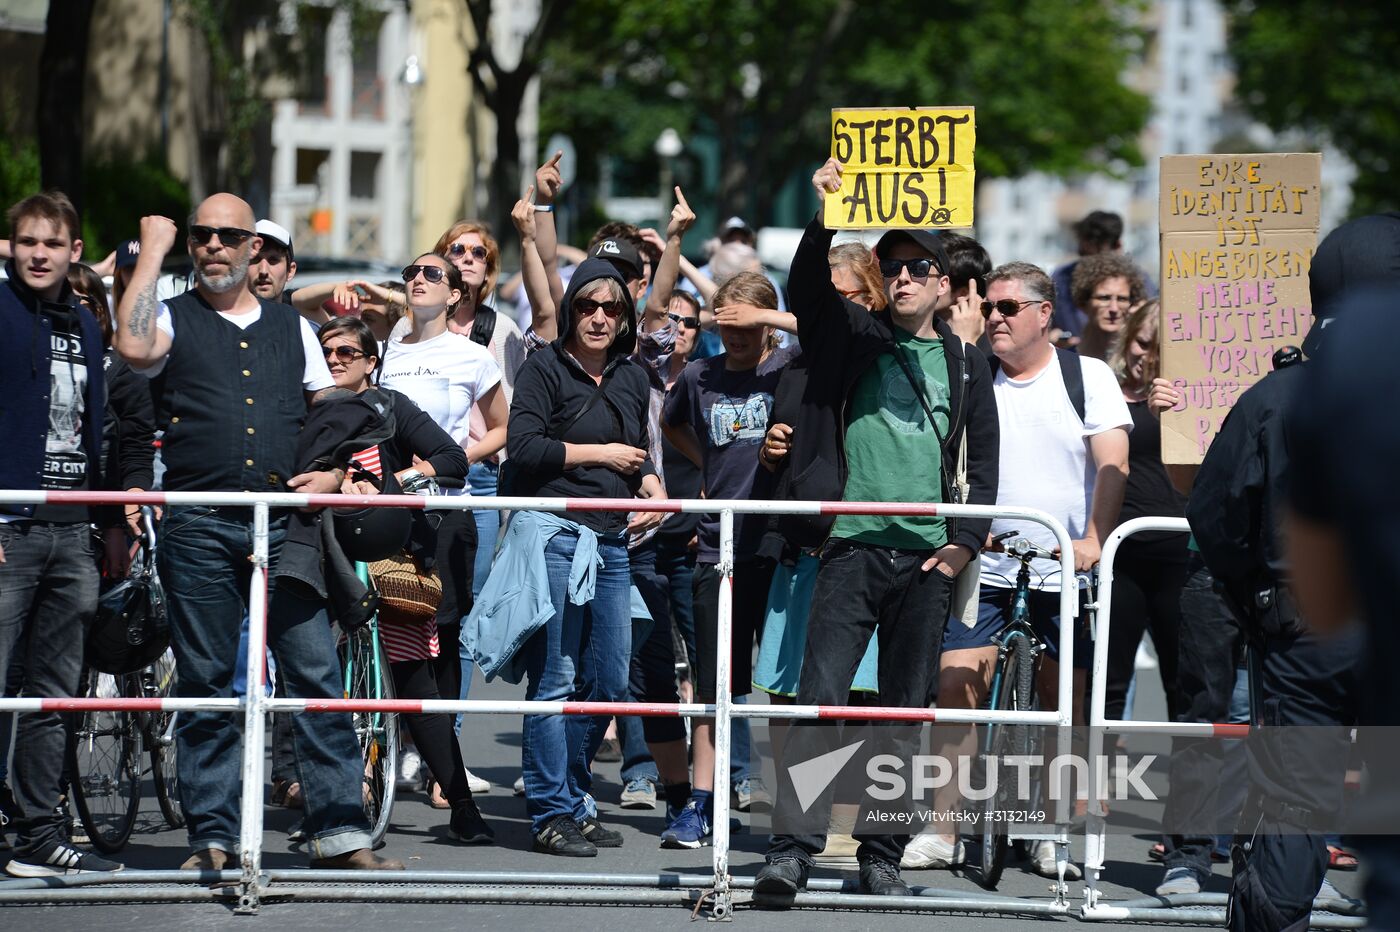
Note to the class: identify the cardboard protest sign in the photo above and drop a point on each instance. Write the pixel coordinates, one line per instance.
(1238, 234)
(904, 168)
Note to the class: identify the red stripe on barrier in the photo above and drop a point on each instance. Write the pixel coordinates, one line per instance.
(878, 508)
(98, 704)
(1230, 731)
(883, 715)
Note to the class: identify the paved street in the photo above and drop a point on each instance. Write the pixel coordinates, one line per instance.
(491, 744)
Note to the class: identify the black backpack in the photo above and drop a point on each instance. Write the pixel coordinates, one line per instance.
(1070, 370)
(484, 326)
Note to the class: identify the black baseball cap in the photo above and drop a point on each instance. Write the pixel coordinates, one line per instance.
(927, 240)
(620, 253)
(127, 253)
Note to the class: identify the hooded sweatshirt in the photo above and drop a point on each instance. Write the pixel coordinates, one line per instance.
(557, 402)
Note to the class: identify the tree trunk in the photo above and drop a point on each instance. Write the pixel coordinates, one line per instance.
(62, 70)
(505, 187)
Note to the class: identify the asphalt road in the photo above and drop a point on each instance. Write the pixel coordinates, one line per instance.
(491, 746)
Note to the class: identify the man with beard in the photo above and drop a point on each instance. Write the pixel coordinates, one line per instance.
(274, 264)
(232, 374)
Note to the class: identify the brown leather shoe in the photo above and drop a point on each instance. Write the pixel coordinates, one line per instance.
(209, 859)
(361, 859)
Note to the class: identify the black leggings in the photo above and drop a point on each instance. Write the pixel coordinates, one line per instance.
(432, 733)
(456, 561)
(1146, 597)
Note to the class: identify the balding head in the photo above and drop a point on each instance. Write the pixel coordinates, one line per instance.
(222, 242)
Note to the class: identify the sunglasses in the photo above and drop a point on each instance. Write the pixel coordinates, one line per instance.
(432, 274)
(688, 323)
(587, 307)
(918, 268)
(1005, 307)
(229, 236)
(458, 250)
(344, 354)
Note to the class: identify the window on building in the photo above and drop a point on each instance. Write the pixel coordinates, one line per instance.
(364, 175)
(310, 164)
(313, 25)
(1184, 82)
(1186, 14)
(366, 85)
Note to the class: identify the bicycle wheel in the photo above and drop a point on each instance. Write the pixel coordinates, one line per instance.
(159, 681)
(104, 765)
(1014, 691)
(367, 677)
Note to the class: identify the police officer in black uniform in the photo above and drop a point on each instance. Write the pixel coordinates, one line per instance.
(1298, 678)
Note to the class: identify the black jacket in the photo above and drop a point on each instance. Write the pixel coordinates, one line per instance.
(551, 389)
(840, 340)
(128, 435)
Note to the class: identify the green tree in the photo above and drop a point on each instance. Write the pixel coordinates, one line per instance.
(762, 77)
(1328, 69)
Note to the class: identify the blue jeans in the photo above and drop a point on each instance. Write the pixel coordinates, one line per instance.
(205, 568)
(48, 596)
(481, 480)
(580, 655)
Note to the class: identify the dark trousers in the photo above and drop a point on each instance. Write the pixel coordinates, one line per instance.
(861, 592)
(1146, 597)
(432, 732)
(456, 567)
(48, 596)
(1295, 775)
(1209, 649)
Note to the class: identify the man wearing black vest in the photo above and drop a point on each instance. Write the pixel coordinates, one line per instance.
(232, 374)
(51, 418)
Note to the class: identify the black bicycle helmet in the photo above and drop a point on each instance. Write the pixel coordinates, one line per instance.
(369, 534)
(130, 631)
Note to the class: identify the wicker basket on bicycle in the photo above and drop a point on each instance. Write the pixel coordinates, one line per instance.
(407, 594)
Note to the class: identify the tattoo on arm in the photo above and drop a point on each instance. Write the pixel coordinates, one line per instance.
(144, 312)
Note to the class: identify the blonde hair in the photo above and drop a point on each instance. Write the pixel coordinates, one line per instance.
(1139, 318)
(862, 264)
(493, 252)
(748, 288)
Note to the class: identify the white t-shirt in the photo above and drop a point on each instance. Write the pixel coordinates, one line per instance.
(445, 376)
(1045, 459)
(315, 376)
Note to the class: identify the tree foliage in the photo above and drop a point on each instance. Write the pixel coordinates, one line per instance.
(761, 77)
(1329, 69)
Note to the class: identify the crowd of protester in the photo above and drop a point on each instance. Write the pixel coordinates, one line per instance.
(916, 370)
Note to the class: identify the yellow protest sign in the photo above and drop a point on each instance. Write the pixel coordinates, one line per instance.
(905, 167)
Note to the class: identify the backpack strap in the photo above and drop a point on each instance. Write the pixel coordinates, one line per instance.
(484, 326)
(1071, 371)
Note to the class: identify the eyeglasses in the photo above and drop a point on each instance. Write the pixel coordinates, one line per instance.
(1112, 299)
(432, 274)
(688, 323)
(1006, 307)
(344, 354)
(587, 307)
(918, 268)
(229, 236)
(458, 250)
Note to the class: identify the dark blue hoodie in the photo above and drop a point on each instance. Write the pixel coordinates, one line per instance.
(551, 389)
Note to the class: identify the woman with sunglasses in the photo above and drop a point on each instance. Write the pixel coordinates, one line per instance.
(447, 375)
(419, 445)
(578, 429)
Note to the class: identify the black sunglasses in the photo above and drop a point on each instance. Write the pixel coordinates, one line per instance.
(457, 250)
(1005, 307)
(229, 236)
(345, 354)
(918, 268)
(689, 323)
(431, 273)
(587, 307)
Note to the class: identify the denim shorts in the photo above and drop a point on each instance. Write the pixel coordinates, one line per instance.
(994, 613)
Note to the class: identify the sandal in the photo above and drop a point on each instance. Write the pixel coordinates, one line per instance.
(1158, 852)
(287, 794)
(1340, 859)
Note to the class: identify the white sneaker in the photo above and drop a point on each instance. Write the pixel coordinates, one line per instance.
(1043, 862)
(1179, 881)
(520, 785)
(477, 785)
(410, 768)
(929, 852)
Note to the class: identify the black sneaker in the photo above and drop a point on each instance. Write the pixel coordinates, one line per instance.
(881, 878)
(468, 827)
(561, 836)
(57, 860)
(600, 837)
(781, 877)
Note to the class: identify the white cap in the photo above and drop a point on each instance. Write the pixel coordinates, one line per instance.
(736, 223)
(275, 232)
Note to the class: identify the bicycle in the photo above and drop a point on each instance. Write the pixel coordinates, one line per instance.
(366, 676)
(1013, 689)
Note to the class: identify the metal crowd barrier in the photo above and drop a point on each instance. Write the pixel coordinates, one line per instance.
(253, 884)
(1174, 909)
